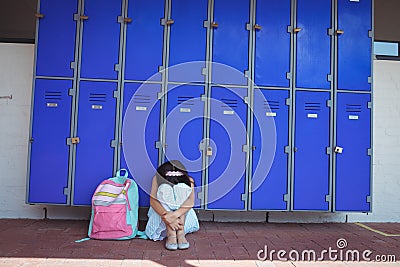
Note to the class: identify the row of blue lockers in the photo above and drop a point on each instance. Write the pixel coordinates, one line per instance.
(312, 42)
(310, 173)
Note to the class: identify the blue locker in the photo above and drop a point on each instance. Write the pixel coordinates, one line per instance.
(269, 183)
(311, 161)
(354, 44)
(231, 41)
(144, 40)
(313, 44)
(353, 165)
(272, 54)
(140, 132)
(226, 171)
(100, 39)
(188, 40)
(184, 130)
(56, 38)
(49, 149)
(96, 130)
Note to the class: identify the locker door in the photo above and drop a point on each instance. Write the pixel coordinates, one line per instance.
(96, 128)
(184, 130)
(226, 180)
(144, 39)
(49, 149)
(353, 164)
(313, 44)
(270, 162)
(231, 38)
(354, 44)
(56, 38)
(100, 39)
(311, 161)
(140, 132)
(272, 54)
(188, 40)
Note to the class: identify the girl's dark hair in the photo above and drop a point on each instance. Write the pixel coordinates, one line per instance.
(173, 165)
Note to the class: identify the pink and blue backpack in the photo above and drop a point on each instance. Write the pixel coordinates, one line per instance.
(115, 210)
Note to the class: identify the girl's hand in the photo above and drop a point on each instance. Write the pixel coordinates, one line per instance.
(172, 220)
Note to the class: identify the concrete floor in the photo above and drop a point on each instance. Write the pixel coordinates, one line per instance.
(51, 243)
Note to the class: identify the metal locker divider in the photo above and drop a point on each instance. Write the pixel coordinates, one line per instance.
(226, 172)
(49, 151)
(140, 133)
(353, 153)
(269, 182)
(55, 39)
(144, 39)
(187, 40)
(272, 43)
(354, 45)
(311, 179)
(184, 130)
(100, 39)
(95, 132)
(313, 44)
(230, 42)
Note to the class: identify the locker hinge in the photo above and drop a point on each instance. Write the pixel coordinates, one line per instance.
(122, 20)
(73, 141)
(72, 92)
(117, 67)
(66, 191)
(369, 151)
(166, 22)
(200, 195)
(72, 65)
(286, 197)
(369, 79)
(369, 105)
(77, 17)
(328, 198)
(331, 32)
(206, 24)
(329, 150)
(290, 29)
(159, 144)
(289, 75)
(203, 98)
(244, 197)
(246, 100)
(249, 27)
(245, 148)
(114, 143)
(247, 74)
(204, 71)
(371, 34)
(369, 199)
(202, 146)
(116, 94)
(288, 101)
(329, 103)
(330, 77)
(287, 149)
(161, 68)
(160, 95)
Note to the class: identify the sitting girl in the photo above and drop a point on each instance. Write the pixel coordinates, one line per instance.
(171, 211)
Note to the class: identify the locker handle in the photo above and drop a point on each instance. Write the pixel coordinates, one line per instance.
(214, 25)
(75, 140)
(83, 17)
(339, 32)
(127, 20)
(39, 16)
(296, 30)
(257, 27)
(170, 22)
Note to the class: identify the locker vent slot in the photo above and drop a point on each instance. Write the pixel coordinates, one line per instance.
(353, 108)
(50, 95)
(232, 103)
(186, 100)
(315, 106)
(97, 98)
(141, 99)
(271, 105)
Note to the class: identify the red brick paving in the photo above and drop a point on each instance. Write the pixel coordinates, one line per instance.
(51, 243)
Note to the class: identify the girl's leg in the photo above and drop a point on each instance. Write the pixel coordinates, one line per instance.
(171, 242)
(181, 238)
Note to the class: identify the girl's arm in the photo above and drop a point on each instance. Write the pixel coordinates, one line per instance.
(154, 203)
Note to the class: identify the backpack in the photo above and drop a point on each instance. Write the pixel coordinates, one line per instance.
(114, 213)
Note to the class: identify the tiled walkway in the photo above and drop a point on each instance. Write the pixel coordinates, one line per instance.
(51, 243)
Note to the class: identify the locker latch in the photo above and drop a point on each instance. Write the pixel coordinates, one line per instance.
(73, 141)
(214, 25)
(339, 150)
(83, 17)
(339, 32)
(257, 27)
(39, 16)
(127, 20)
(297, 30)
(209, 151)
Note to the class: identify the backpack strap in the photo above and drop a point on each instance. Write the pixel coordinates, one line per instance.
(82, 240)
